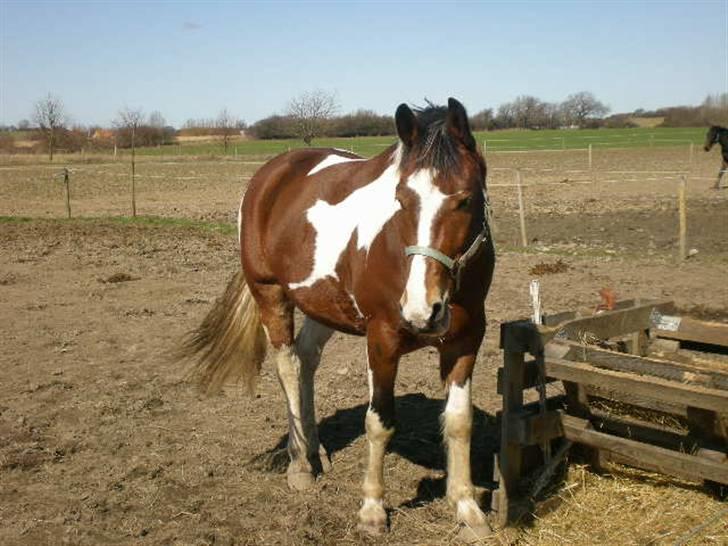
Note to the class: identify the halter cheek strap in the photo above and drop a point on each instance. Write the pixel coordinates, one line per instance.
(456, 266)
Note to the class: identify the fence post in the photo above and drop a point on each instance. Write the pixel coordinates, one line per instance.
(590, 156)
(67, 183)
(485, 147)
(521, 211)
(683, 217)
(691, 153)
(133, 175)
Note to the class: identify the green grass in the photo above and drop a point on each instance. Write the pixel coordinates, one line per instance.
(510, 140)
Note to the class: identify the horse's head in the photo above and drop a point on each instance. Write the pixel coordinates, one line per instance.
(443, 199)
(711, 137)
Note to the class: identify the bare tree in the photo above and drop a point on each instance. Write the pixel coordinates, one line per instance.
(581, 106)
(50, 116)
(483, 120)
(310, 111)
(227, 124)
(714, 110)
(130, 120)
(156, 120)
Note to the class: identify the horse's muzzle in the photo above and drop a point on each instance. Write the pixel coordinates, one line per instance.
(437, 324)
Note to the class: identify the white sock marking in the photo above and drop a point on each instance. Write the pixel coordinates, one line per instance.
(458, 399)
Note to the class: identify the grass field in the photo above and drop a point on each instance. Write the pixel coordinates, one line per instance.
(512, 140)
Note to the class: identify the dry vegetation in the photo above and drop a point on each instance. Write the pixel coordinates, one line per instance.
(102, 441)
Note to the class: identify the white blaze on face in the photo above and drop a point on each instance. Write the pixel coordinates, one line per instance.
(365, 210)
(416, 310)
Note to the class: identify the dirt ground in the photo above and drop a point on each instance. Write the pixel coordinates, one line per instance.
(102, 441)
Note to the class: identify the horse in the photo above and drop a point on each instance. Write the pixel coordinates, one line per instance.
(396, 248)
(720, 135)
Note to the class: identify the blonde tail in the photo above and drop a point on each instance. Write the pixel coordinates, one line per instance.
(230, 344)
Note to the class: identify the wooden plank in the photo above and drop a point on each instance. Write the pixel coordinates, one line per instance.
(663, 406)
(555, 319)
(508, 464)
(524, 336)
(648, 387)
(643, 455)
(530, 376)
(666, 369)
(710, 333)
(710, 428)
(615, 323)
(627, 426)
(531, 429)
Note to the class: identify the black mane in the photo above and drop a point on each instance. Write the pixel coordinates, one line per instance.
(436, 148)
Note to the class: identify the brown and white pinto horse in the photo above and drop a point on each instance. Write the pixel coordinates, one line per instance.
(395, 248)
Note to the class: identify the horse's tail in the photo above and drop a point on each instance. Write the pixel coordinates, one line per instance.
(230, 344)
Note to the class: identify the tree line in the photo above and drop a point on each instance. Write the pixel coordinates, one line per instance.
(315, 114)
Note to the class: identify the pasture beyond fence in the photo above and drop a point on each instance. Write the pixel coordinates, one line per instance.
(584, 173)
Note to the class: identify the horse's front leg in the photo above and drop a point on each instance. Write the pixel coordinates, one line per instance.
(383, 356)
(456, 365)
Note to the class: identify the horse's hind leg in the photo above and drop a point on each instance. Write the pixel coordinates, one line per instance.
(296, 373)
(296, 362)
(721, 172)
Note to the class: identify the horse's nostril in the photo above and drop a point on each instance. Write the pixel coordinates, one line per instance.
(437, 309)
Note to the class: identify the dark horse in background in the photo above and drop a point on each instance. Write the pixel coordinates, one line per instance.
(720, 135)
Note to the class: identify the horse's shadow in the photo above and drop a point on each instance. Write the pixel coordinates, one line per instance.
(417, 438)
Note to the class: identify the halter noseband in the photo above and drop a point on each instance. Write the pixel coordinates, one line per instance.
(455, 266)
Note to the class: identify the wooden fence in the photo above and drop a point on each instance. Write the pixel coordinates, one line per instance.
(601, 361)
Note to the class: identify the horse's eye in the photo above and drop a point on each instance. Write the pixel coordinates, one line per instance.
(464, 203)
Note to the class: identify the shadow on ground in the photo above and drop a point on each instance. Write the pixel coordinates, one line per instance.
(417, 438)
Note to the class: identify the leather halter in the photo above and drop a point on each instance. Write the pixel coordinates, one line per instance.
(455, 266)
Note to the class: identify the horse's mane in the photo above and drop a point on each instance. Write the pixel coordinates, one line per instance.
(437, 149)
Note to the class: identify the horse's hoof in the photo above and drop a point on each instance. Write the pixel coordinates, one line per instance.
(372, 518)
(470, 534)
(300, 480)
(470, 514)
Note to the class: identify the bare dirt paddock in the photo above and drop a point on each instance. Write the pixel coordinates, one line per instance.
(103, 442)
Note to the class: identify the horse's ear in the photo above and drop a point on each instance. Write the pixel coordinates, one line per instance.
(407, 126)
(457, 123)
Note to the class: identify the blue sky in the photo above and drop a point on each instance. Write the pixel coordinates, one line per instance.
(191, 59)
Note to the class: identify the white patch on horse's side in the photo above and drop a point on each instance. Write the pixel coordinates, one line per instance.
(365, 210)
(416, 309)
(330, 160)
